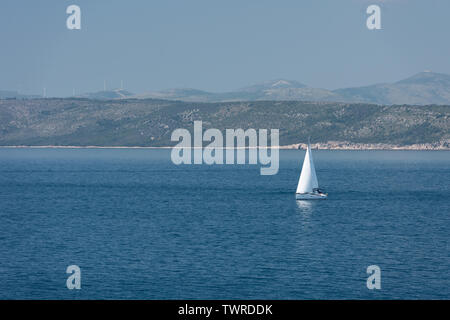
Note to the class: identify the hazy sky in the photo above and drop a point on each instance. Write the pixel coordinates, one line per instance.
(217, 45)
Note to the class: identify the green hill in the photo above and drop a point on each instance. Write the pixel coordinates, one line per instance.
(148, 122)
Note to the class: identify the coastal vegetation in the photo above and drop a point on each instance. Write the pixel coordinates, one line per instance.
(150, 122)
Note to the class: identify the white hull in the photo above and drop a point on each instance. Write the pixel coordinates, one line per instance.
(310, 196)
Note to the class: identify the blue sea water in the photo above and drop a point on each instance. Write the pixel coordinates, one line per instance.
(141, 227)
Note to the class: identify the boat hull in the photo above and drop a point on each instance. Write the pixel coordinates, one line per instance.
(310, 196)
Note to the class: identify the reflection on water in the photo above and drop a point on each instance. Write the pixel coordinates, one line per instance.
(305, 208)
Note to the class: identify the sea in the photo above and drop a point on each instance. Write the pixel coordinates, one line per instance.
(140, 227)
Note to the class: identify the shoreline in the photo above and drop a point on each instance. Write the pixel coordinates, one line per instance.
(297, 146)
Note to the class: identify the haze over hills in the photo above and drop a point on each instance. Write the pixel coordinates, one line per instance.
(278, 89)
(420, 89)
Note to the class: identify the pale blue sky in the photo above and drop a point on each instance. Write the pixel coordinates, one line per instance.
(217, 45)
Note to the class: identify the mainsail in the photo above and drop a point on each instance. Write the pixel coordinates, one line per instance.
(308, 178)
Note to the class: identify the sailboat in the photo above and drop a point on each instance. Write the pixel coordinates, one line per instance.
(308, 186)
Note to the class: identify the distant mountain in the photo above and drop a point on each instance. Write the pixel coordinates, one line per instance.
(278, 89)
(108, 94)
(260, 91)
(273, 85)
(420, 89)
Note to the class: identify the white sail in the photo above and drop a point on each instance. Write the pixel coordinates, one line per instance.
(308, 179)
